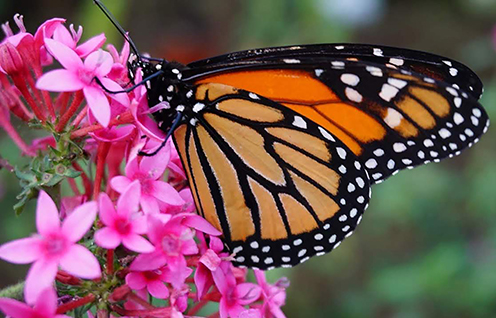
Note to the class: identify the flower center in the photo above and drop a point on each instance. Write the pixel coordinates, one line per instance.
(55, 245)
(86, 76)
(152, 275)
(171, 245)
(122, 226)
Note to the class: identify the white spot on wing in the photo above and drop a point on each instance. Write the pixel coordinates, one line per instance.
(353, 95)
(299, 122)
(350, 79)
(393, 118)
(388, 92)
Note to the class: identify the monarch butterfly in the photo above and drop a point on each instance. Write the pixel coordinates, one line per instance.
(282, 145)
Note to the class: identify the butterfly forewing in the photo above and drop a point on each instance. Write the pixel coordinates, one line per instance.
(280, 187)
(426, 64)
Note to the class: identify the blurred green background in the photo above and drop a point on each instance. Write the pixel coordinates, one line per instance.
(427, 245)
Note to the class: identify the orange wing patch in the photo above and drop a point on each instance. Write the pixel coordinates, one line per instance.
(281, 84)
(246, 141)
(272, 225)
(238, 214)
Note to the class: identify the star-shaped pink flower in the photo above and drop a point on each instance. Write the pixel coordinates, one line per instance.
(124, 224)
(54, 245)
(44, 307)
(81, 76)
(148, 172)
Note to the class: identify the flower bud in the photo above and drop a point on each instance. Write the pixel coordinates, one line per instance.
(10, 59)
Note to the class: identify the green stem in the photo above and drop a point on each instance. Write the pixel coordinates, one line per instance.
(14, 292)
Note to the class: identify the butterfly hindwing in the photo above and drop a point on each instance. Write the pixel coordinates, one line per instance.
(279, 186)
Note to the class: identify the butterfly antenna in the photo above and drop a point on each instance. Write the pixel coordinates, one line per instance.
(121, 30)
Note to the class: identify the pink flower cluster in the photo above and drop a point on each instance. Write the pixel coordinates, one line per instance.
(122, 238)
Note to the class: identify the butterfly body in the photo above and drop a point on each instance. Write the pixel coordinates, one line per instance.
(282, 145)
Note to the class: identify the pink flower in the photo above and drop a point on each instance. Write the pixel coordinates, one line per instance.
(234, 296)
(44, 307)
(70, 39)
(54, 245)
(274, 296)
(123, 225)
(153, 281)
(209, 262)
(77, 76)
(173, 238)
(148, 172)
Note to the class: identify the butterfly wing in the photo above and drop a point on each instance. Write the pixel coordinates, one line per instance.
(426, 64)
(280, 187)
(390, 117)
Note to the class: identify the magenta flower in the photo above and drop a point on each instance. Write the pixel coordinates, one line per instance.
(173, 239)
(274, 296)
(44, 307)
(148, 172)
(209, 262)
(71, 39)
(234, 296)
(153, 281)
(78, 76)
(54, 245)
(123, 225)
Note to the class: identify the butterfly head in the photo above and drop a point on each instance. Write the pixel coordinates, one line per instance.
(162, 80)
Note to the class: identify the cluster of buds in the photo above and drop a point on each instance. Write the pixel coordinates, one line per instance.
(117, 242)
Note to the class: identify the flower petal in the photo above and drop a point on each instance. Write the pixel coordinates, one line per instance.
(79, 221)
(65, 55)
(98, 104)
(107, 238)
(166, 193)
(80, 262)
(148, 262)
(120, 183)
(128, 202)
(62, 35)
(46, 303)
(136, 280)
(90, 45)
(22, 251)
(154, 166)
(200, 224)
(41, 276)
(121, 98)
(248, 293)
(99, 62)
(47, 215)
(16, 309)
(139, 224)
(203, 280)
(59, 81)
(158, 289)
(137, 243)
(106, 210)
(149, 204)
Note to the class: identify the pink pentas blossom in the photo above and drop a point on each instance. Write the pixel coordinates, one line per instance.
(153, 281)
(234, 296)
(77, 75)
(45, 306)
(173, 237)
(124, 224)
(54, 245)
(71, 39)
(148, 172)
(208, 263)
(274, 296)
